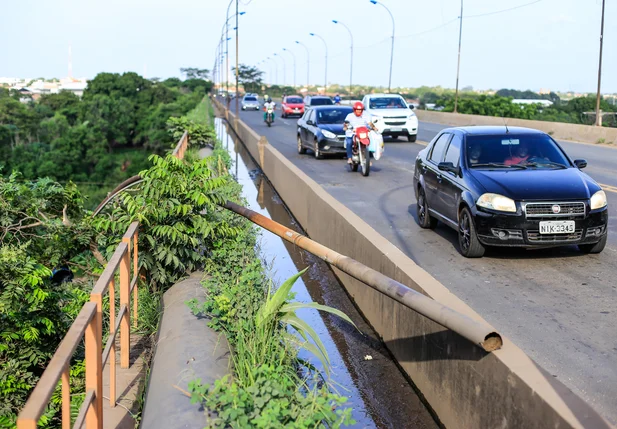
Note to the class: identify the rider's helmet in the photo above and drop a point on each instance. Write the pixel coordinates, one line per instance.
(358, 108)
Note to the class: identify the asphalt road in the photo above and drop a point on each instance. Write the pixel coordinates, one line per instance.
(558, 305)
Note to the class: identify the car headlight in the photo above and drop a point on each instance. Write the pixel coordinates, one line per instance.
(598, 200)
(328, 134)
(412, 115)
(497, 202)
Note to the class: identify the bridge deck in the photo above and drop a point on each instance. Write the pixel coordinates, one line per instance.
(130, 384)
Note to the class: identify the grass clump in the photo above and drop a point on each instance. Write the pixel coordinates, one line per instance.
(270, 387)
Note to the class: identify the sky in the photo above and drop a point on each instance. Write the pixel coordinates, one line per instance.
(550, 44)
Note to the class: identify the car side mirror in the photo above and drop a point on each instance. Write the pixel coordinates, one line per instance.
(411, 107)
(580, 163)
(449, 167)
(309, 122)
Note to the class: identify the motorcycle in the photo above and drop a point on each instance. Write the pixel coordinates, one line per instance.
(361, 155)
(269, 115)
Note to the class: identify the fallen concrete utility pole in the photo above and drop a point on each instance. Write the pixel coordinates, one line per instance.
(478, 333)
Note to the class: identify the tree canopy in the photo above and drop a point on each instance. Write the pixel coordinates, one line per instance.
(249, 77)
(97, 140)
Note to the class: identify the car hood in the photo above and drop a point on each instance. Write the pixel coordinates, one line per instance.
(391, 112)
(333, 128)
(565, 184)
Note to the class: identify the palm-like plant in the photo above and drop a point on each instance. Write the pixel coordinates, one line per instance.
(278, 309)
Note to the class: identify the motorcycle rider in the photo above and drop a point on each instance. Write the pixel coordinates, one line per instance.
(358, 118)
(268, 103)
(337, 99)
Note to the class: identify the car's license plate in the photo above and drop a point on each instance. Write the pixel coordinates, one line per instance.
(396, 130)
(557, 227)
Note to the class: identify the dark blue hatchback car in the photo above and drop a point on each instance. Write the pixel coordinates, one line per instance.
(500, 186)
(320, 129)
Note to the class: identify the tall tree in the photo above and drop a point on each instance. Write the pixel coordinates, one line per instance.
(195, 73)
(249, 77)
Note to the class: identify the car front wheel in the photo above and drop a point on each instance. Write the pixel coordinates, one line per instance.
(594, 248)
(301, 149)
(469, 244)
(425, 220)
(316, 151)
(412, 138)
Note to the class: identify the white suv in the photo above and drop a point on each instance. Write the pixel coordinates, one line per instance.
(396, 117)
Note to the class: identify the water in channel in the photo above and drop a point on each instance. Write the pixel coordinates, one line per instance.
(362, 369)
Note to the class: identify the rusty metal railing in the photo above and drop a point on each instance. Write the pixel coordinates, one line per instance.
(89, 326)
(182, 145)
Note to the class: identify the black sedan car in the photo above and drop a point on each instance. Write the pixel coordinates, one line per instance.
(321, 130)
(500, 186)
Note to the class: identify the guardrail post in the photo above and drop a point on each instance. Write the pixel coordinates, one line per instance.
(66, 397)
(136, 275)
(125, 330)
(112, 352)
(94, 367)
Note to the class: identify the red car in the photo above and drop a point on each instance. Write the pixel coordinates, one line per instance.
(292, 105)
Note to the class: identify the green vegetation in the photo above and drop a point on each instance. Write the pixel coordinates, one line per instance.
(99, 140)
(561, 111)
(44, 225)
(271, 386)
(249, 77)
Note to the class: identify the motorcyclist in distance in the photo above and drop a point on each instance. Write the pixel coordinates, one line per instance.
(268, 103)
(358, 118)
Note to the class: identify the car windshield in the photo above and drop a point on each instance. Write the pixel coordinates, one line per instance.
(514, 151)
(250, 99)
(332, 116)
(387, 103)
(294, 100)
(321, 102)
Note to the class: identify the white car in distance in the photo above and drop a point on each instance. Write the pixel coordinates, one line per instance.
(396, 117)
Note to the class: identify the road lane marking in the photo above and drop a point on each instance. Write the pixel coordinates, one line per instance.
(608, 188)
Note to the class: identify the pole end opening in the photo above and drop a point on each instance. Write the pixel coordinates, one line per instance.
(492, 342)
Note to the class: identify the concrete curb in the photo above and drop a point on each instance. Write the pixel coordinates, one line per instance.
(466, 387)
(186, 349)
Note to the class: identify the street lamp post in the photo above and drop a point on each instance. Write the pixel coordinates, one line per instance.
(294, 58)
(276, 70)
(351, 57)
(270, 74)
(599, 95)
(284, 68)
(392, 46)
(326, 71)
(237, 71)
(458, 63)
(227, 52)
(308, 63)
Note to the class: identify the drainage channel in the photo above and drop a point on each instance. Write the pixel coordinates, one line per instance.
(362, 369)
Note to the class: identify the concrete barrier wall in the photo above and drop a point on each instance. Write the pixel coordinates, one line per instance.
(466, 387)
(559, 130)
